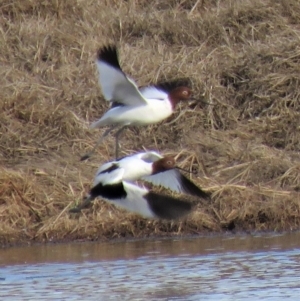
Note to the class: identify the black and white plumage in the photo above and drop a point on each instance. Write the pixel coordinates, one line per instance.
(129, 104)
(140, 200)
(114, 182)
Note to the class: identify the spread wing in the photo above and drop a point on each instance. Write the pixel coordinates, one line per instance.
(175, 181)
(149, 204)
(116, 86)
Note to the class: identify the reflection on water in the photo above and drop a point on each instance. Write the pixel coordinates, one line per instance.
(210, 268)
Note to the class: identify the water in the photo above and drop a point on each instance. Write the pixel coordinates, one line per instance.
(263, 267)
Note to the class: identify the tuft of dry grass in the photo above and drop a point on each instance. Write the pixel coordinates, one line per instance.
(241, 56)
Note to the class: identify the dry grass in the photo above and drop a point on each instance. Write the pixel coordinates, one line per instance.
(242, 56)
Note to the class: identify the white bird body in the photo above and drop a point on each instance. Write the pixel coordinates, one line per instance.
(134, 200)
(144, 166)
(134, 106)
(130, 168)
(114, 182)
(129, 104)
(152, 112)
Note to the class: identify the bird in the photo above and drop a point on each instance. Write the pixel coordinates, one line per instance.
(131, 105)
(115, 182)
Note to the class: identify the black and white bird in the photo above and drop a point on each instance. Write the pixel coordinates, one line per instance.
(129, 104)
(114, 182)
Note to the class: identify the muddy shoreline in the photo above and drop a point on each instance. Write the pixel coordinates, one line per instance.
(11, 241)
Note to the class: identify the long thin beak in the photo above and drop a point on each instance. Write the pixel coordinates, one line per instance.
(185, 170)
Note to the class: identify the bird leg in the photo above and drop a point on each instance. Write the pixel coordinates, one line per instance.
(88, 155)
(118, 133)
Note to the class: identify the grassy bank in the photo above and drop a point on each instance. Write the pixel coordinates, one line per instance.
(241, 56)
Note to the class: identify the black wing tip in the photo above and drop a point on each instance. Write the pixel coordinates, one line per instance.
(166, 207)
(109, 54)
(108, 49)
(190, 188)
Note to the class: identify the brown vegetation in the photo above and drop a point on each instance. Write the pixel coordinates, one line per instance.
(241, 56)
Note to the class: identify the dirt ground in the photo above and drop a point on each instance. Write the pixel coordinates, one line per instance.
(242, 57)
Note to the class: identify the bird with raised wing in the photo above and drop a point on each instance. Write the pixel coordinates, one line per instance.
(129, 104)
(114, 182)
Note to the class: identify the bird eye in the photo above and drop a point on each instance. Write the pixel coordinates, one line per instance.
(185, 93)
